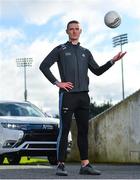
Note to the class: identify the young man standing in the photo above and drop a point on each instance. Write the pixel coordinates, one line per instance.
(73, 62)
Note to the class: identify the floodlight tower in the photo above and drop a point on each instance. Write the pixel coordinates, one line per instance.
(121, 40)
(24, 62)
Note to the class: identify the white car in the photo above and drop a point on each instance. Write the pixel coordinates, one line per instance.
(26, 131)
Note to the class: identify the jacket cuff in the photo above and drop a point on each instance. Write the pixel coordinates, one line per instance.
(112, 62)
(56, 82)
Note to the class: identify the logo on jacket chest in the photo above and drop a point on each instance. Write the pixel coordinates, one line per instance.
(68, 54)
(83, 55)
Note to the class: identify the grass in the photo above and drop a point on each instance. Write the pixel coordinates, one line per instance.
(25, 160)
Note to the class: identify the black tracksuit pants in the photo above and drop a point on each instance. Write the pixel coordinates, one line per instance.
(78, 104)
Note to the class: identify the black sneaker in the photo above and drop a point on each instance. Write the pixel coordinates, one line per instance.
(61, 170)
(89, 170)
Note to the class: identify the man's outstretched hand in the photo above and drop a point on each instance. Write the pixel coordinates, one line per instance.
(118, 56)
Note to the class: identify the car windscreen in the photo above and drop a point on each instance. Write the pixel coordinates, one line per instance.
(20, 109)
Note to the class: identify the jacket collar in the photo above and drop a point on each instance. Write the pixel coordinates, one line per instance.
(70, 43)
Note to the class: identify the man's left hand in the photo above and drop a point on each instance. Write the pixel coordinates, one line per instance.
(118, 56)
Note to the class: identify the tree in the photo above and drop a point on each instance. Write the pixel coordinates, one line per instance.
(95, 109)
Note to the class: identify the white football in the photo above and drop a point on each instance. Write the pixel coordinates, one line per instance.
(112, 19)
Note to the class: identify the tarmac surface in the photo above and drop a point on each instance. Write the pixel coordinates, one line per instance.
(45, 171)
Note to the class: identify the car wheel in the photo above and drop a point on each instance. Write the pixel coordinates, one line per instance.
(52, 159)
(1, 159)
(13, 159)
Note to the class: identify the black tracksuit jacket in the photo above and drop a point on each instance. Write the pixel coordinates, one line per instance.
(73, 63)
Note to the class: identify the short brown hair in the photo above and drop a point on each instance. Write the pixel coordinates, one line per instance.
(73, 21)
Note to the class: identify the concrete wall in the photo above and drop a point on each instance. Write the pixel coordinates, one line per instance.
(114, 135)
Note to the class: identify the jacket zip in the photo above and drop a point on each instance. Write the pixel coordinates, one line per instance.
(77, 63)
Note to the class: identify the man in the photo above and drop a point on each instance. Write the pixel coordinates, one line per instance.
(73, 62)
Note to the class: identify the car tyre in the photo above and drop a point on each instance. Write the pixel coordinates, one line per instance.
(1, 159)
(13, 159)
(52, 159)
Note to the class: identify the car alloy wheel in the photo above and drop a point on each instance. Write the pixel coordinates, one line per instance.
(13, 159)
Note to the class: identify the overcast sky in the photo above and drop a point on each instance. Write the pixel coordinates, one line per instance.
(32, 28)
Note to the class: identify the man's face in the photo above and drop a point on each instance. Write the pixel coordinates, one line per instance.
(74, 31)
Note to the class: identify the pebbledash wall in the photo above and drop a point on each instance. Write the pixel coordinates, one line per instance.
(114, 135)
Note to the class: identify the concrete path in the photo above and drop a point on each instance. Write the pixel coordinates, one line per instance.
(45, 171)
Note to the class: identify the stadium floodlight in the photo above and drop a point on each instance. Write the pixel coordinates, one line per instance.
(24, 62)
(120, 41)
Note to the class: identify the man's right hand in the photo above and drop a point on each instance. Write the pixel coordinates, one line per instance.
(65, 85)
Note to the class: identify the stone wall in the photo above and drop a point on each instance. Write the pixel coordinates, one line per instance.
(114, 135)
